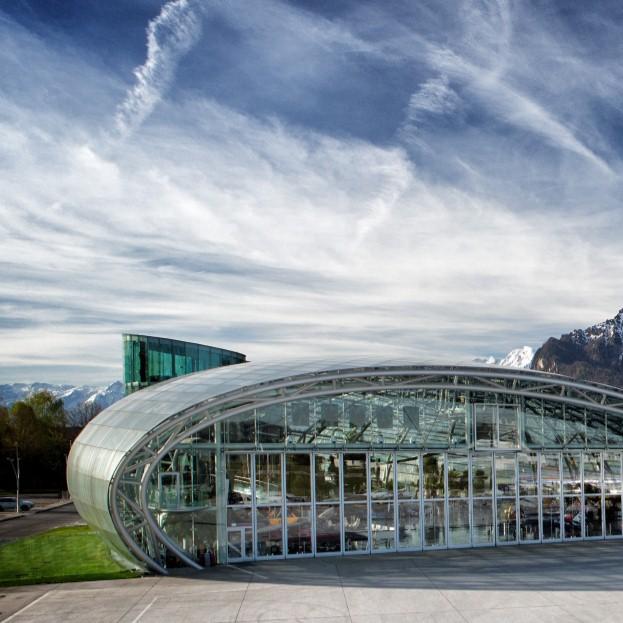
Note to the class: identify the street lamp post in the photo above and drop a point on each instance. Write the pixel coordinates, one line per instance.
(15, 465)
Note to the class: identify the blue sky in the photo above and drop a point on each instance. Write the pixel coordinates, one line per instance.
(277, 177)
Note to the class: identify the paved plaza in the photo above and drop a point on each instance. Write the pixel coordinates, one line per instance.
(564, 582)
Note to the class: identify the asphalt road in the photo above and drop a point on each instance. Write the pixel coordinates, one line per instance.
(34, 523)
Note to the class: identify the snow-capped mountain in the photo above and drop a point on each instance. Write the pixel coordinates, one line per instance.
(517, 358)
(592, 354)
(73, 397)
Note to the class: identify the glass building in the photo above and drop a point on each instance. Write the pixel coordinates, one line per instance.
(308, 459)
(148, 359)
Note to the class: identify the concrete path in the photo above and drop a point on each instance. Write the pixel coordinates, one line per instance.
(34, 522)
(569, 583)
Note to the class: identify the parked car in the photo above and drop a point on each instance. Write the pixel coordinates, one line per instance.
(9, 504)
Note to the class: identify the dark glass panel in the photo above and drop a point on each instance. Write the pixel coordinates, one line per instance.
(573, 517)
(269, 529)
(507, 521)
(434, 485)
(551, 518)
(612, 513)
(298, 478)
(614, 426)
(571, 472)
(592, 516)
(384, 417)
(592, 472)
(355, 477)
(485, 425)
(238, 468)
(327, 476)
(529, 519)
(612, 472)
(458, 476)
(533, 423)
(271, 425)
(299, 526)
(328, 528)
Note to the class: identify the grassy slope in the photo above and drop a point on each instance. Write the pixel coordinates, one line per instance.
(66, 554)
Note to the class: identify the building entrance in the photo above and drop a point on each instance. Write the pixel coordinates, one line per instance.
(297, 504)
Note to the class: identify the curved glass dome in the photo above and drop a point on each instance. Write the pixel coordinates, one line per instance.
(315, 458)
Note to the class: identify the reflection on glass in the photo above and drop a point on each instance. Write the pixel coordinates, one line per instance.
(271, 424)
(458, 476)
(268, 478)
(269, 531)
(434, 524)
(482, 528)
(573, 517)
(298, 478)
(382, 476)
(575, 428)
(529, 519)
(528, 473)
(298, 523)
(327, 477)
(592, 516)
(327, 528)
(240, 428)
(592, 472)
(485, 425)
(355, 479)
(571, 472)
(551, 518)
(239, 478)
(355, 527)
(612, 472)
(507, 521)
(507, 427)
(408, 467)
(458, 523)
(433, 476)
(553, 425)
(239, 532)
(595, 429)
(533, 423)
(382, 526)
(612, 512)
(550, 473)
(482, 479)
(409, 525)
(505, 474)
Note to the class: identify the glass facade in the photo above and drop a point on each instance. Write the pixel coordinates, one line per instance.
(148, 360)
(359, 461)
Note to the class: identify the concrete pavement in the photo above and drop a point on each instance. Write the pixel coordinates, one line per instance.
(578, 582)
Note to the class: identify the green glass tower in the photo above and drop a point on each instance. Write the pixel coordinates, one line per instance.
(148, 359)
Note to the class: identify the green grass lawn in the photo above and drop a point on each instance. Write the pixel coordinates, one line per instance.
(68, 554)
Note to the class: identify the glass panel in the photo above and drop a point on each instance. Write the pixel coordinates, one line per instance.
(553, 425)
(575, 428)
(269, 531)
(485, 425)
(592, 516)
(595, 428)
(458, 522)
(614, 426)
(382, 476)
(529, 519)
(434, 421)
(433, 475)
(551, 518)
(507, 427)
(434, 524)
(507, 521)
(505, 475)
(234, 544)
(327, 477)
(241, 519)
(271, 424)
(408, 467)
(239, 478)
(328, 428)
(528, 474)
(298, 478)
(612, 472)
(300, 429)
(268, 478)
(482, 529)
(355, 527)
(355, 478)
(573, 517)
(592, 472)
(458, 476)
(299, 529)
(409, 525)
(550, 473)
(613, 515)
(328, 528)
(382, 526)
(571, 472)
(240, 428)
(533, 423)
(482, 479)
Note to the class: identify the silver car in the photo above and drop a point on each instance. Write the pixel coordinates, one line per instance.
(9, 504)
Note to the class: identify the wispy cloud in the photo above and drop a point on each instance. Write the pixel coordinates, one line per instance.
(170, 36)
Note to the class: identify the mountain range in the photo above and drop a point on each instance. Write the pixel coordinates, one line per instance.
(591, 354)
